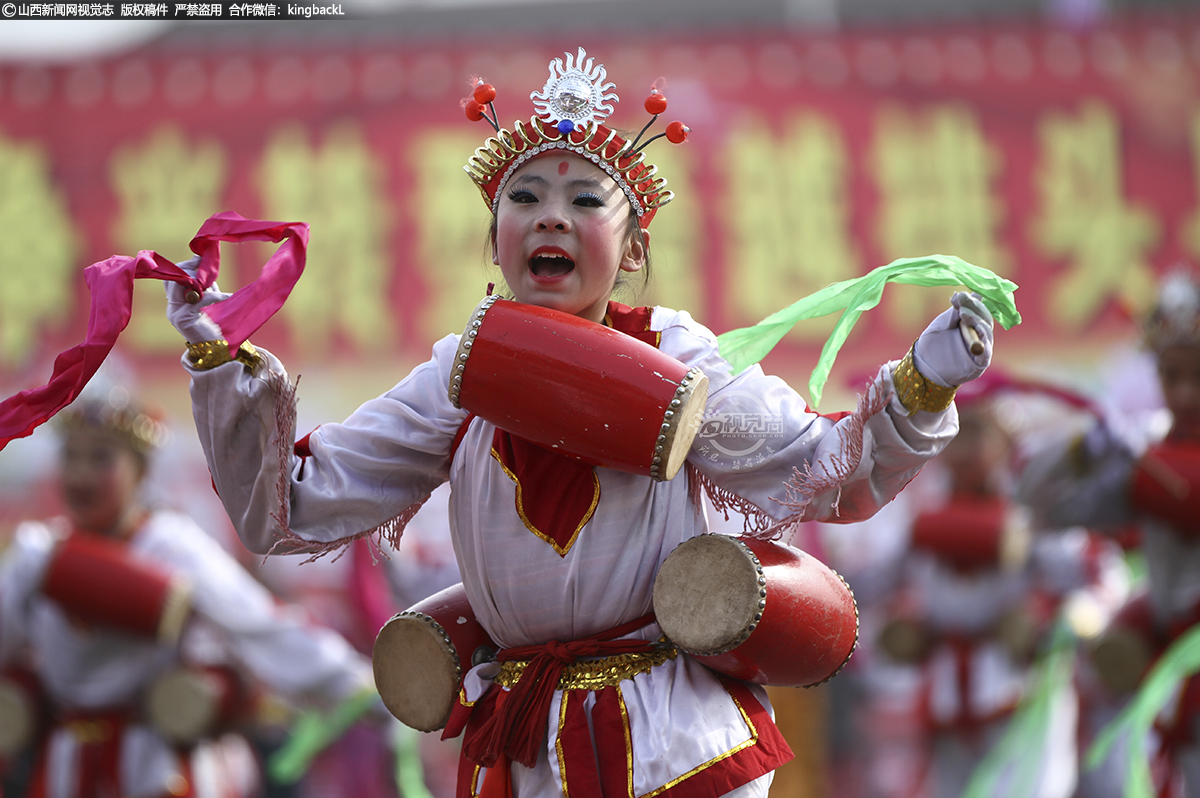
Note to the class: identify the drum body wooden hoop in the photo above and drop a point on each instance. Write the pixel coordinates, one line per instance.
(756, 610)
(579, 388)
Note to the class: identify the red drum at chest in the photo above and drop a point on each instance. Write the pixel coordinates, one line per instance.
(1166, 485)
(421, 654)
(578, 388)
(98, 581)
(972, 533)
(756, 610)
(190, 704)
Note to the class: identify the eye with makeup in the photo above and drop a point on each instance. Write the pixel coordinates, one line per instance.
(522, 195)
(589, 200)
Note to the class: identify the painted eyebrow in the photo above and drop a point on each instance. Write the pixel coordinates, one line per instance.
(580, 182)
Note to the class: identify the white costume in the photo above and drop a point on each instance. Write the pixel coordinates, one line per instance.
(689, 733)
(99, 672)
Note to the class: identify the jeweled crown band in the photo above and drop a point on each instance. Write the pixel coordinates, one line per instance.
(501, 155)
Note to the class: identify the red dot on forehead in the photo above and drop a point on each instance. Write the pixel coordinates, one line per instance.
(563, 166)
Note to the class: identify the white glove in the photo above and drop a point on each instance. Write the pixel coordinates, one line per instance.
(194, 326)
(941, 353)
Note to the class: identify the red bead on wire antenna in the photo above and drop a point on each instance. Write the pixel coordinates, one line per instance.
(656, 103)
(473, 110)
(484, 93)
(677, 132)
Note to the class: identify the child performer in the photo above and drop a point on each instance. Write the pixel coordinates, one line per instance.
(571, 204)
(112, 604)
(1107, 483)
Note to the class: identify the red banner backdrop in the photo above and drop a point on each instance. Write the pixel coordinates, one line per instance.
(1064, 160)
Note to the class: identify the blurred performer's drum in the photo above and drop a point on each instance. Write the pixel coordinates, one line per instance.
(421, 655)
(1123, 653)
(974, 534)
(1166, 485)
(578, 388)
(190, 704)
(101, 581)
(756, 610)
(20, 711)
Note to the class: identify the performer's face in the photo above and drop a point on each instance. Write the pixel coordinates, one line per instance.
(563, 235)
(99, 476)
(1179, 373)
(979, 453)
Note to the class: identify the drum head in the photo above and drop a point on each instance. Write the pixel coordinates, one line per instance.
(416, 671)
(1121, 657)
(707, 594)
(16, 718)
(184, 705)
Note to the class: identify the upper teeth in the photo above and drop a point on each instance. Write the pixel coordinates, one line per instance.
(550, 255)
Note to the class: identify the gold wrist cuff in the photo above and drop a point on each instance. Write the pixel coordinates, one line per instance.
(918, 393)
(210, 354)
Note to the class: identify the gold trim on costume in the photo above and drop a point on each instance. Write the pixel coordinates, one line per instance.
(594, 674)
(562, 552)
(210, 354)
(558, 749)
(704, 766)
(916, 391)
(628, 744)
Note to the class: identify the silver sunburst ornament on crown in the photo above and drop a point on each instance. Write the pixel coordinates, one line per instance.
(575, 95)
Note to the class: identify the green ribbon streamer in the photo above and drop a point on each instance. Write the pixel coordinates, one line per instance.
(1178, 662)
(746, 346)
(1020, 751)
(312, 733)
(410, 773)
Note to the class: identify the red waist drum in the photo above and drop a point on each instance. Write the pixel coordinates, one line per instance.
(578, 388)
(190, 704)
(99, 581)
(972, 533)
(756, 610)
(421, 654)
(1166, 485)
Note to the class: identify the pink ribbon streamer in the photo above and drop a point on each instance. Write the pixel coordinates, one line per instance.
(110, 283)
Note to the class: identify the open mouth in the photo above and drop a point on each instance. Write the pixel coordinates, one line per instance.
(550, 265)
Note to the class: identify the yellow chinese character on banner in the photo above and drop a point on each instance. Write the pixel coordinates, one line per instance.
(935, 173)
(165, 190)
(789, 216)
(337, 188)
(1191, 228)
(1084, 218)
(37, 251)
(676, 274)
(453, 252)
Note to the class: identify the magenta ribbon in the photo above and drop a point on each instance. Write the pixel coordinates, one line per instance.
(110, 283)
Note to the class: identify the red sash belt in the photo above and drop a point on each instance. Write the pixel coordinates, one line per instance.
(516, 728)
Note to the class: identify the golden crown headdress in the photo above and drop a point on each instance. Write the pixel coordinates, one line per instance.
(571, 107)
(140, 427)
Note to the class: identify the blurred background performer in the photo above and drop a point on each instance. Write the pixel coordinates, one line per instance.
(1145, 475)
(957, 600)
(146, 637)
